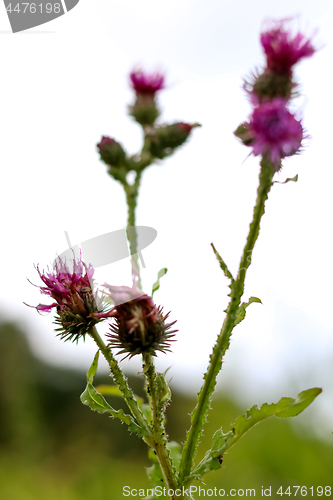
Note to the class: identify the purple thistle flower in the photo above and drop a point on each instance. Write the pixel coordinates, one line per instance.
(146, 83)
(74, 297)
(283, 49)
(272, 132)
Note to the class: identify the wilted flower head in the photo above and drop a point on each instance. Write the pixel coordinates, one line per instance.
(75, 299)
(272, 132)
(283, 49)
(146, 83)
(139, 324)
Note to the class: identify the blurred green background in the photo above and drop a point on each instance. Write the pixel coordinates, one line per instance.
(54, 448)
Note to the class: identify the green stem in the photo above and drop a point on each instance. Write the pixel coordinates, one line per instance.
(121, 381)
(160, 442)
(222, 344)
(132, 192)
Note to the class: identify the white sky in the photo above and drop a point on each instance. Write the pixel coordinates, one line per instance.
(64, 85)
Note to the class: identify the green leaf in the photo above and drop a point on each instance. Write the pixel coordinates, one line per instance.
(296, 406)
(113, 390)
(175, 453)
(146, 409)
(290, 179)
(109, 390)
(156, 285)
(286, 407)
(163, 389)
(154, 472)
(223, 265)
(240, 315)
(92, 398)
(93, 369)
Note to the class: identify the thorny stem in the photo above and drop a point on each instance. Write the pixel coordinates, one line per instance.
(121, 381)
(132, 192)
(159, 439)
(156, 439)
(222, 344)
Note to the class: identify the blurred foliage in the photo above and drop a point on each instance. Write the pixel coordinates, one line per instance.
(52, 447)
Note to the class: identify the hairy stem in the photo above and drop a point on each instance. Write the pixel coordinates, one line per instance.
(132, 192)
(121, 382)
(159, 440)
(222, 344)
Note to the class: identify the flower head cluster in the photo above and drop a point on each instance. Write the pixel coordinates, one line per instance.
(74, 298)
(139, 325)
(272, 130)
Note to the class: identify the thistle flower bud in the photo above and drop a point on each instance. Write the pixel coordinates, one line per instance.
(268, 85)
(283, 50)
(169, 137)
(111, 152)
(139, 326)
(145, 110)
(74, 296)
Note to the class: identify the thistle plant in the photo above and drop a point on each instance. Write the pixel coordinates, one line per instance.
(139, 327)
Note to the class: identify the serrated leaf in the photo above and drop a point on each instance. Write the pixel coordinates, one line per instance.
(241, 312)
(92, 398)
(223, 265)
(286, 407)
(160, 274)
(96, 402)
(296, 406)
